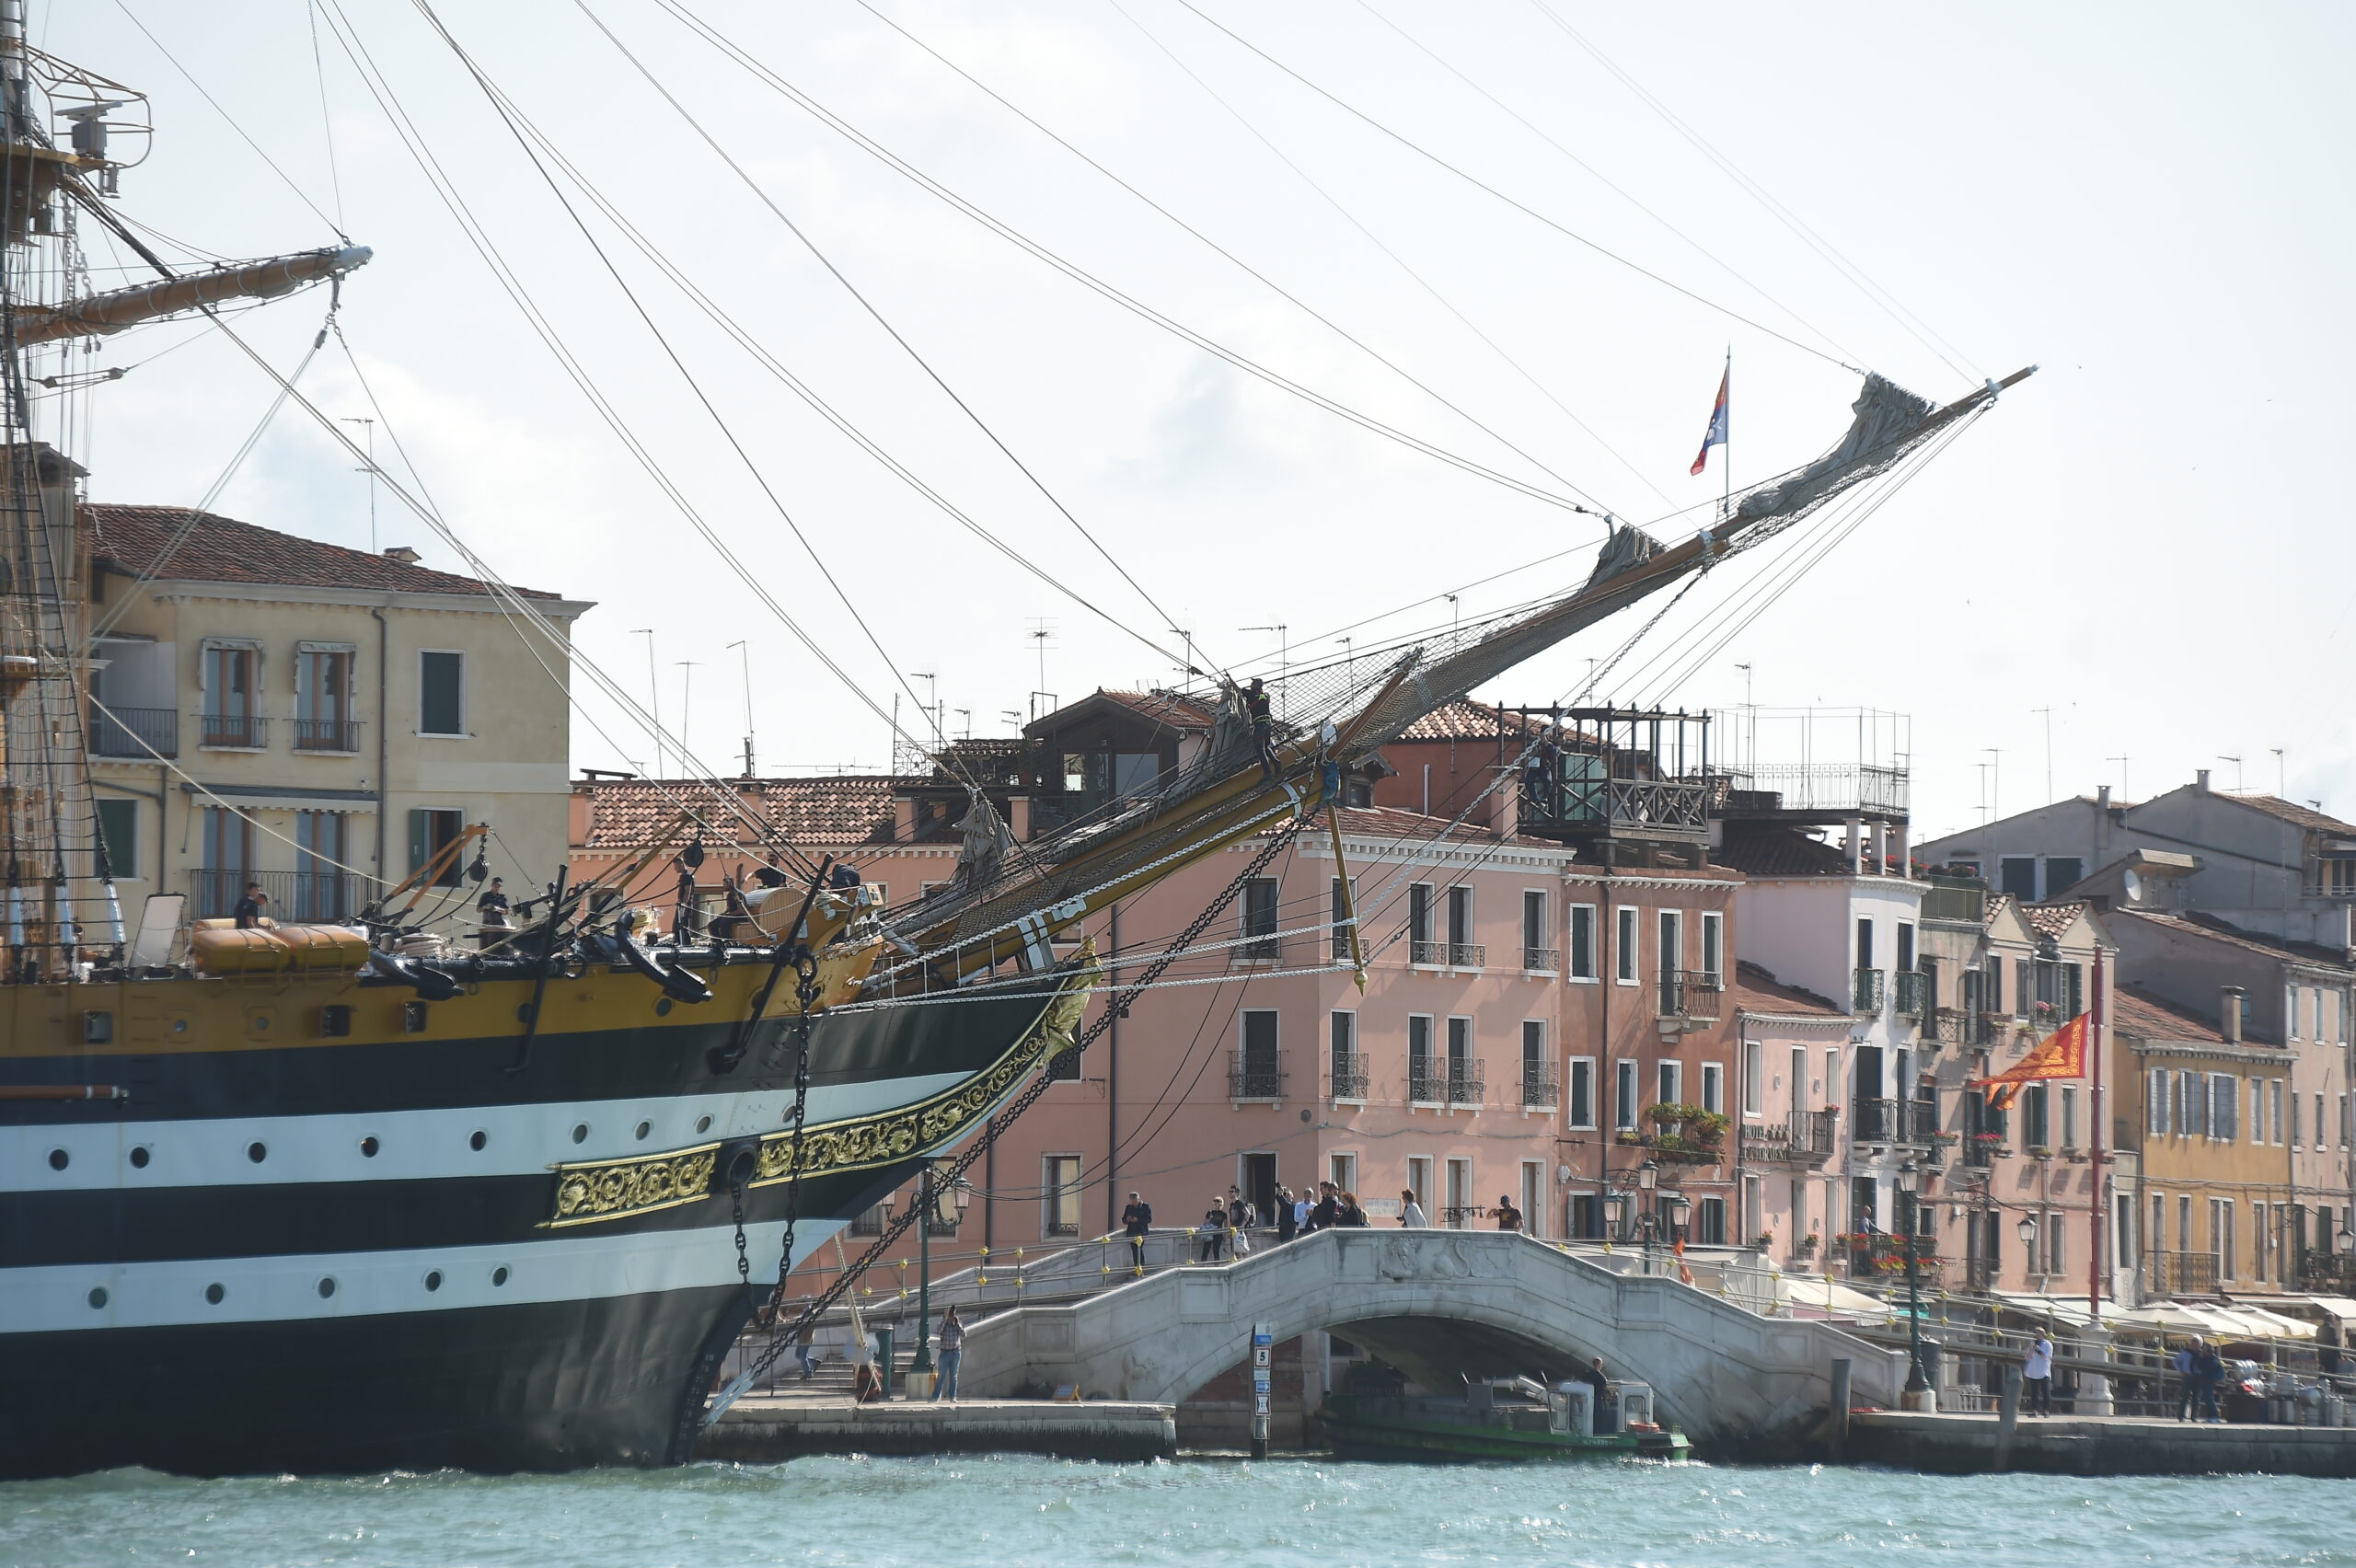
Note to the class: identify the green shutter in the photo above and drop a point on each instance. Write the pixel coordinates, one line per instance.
(119, 832)
(420, 839)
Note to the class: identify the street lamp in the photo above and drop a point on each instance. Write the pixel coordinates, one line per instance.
(926, 1210)
(1679, 1208)
(1918, 1385)
(2027, 1230)
(1648, 1177)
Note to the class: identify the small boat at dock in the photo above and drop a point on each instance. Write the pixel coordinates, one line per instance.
(1505, 1418)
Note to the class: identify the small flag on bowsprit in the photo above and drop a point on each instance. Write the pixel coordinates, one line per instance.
(1716, 434)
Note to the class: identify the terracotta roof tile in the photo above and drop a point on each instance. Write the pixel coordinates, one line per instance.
(1765, 850)
(222, 549)
(811, 813)
(2052, 919)
(1756, 990)
(2296, 814)
(2138, 1013)
(1174, 709)
(2210, 926)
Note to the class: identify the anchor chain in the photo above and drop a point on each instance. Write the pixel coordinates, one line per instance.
(1117, 1004)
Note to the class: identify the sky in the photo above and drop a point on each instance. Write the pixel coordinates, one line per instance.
(2133, 567)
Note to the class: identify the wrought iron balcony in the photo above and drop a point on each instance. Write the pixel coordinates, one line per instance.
(2328, 1273)
(2180, 1274)
(1426, 952)
(1867, 993)
(235, 731)
(1467, 955)
(1538, 958)
(1913, 993)
(1348, 1080)
(1441, 1083)
(1541, 1086)
(1910, 1122)
(135, 731)
(1807, 1140)
(1690, 993)
(327, 735)
(1254, 1075)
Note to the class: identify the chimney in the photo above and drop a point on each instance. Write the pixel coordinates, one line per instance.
(409, 557)
(2200, 780)
(2229, 1013)
(2102, 798)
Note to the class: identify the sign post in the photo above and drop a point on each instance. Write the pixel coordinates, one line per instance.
(1263, 1344)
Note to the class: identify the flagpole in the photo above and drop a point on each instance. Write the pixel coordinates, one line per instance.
(1726, 458)
(2098, 1046)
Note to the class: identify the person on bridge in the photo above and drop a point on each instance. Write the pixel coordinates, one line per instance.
(1135, 1221)
(1351, 1213)
(1507, 1217)
(2037, 1376)
(1212, 1233)
(952, 1354)
(1410, 1213)
(1328, 1211)
(1288, 1217)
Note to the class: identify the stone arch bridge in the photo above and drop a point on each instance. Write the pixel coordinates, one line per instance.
(1438, 1304)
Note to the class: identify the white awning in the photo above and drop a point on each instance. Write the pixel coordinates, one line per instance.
(2059, 1308)
(1829, 1296)
(2339, 1306)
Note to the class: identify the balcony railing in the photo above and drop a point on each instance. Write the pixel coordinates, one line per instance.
(1431, 1083)
(2328, 1273)
(243, 731)
(1536, 957)
(1912, 1122)
(1805, 1139)
(322, 897)
(1913, 993)
(1426, 952)
(1254, 1075)
(1883, 1257)
(327, 735)
(1622, 804)
(1955, 901)
(1690, 993)
(1467, 955)
(1349, 1078)
(1866, 994)
(1541, 1086)
(135, 731)
(2181, 1273)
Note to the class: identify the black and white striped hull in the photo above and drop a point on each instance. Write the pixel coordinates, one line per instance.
(338, 1258)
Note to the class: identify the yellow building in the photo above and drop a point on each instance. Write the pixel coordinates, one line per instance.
(2213, 1188)
(272, 709)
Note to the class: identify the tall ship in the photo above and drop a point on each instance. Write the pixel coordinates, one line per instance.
(334, 1196)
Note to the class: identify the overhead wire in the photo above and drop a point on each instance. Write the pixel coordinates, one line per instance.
(1400, 261)
(326, 121)
(1261, 278)
(770, 78)
(1604, 180)
(972, 415)
(1890, 303)
(1517, 205)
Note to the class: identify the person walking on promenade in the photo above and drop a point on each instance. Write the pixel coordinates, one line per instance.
(2037, 1376)
(1213, 1232)
(952, 1354)
(2207, 1377)
(806, 1351)
(1507, 1217)
(1288, 1217)
(1410, 1213)
(2181, 1364)
(1135, 1221)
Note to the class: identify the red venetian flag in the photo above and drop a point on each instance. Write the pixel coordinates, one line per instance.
(1716, 434)
(2062, 1055)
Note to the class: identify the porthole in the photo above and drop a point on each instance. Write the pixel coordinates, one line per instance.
(326, 1287)
(434, 1279)
(580, 1132)
(479, 1139)
(662, 1006)
(644, 1128)
(179, 1026)
(59, 1159)
(499, 1274)
(703, 1124)
(99, 1297)
(257, 1151)
(214, 1293)
(139, 1158)
(369, 1146)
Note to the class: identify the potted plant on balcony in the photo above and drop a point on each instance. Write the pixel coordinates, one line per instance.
(1688, 1134)
(1947, 1138)
(1808, 1244)
(2039, 1151)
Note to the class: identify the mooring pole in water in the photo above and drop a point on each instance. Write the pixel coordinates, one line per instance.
(1838, 1437)
(2008, 1415)
(1263, 1344)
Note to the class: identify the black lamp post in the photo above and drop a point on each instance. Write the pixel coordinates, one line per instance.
(1918, 1385)
(2027, 1230)
(1648, 1177)
(925, 1212)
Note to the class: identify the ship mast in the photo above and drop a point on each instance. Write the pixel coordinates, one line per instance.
(59, 905)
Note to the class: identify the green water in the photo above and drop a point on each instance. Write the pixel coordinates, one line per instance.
(1010, 1511)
